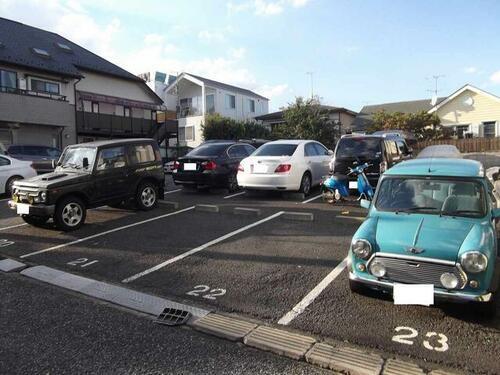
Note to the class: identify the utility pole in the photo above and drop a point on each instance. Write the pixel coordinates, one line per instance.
(311, 74)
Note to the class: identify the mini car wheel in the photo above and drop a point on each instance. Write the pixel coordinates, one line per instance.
(36, 221)
(70, 214)
(305, 184)
(232, 183)
(147, 196)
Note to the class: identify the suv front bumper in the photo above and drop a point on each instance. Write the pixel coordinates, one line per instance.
(442, 295)
(35, 210)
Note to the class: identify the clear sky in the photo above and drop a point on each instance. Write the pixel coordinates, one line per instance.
(360, 51)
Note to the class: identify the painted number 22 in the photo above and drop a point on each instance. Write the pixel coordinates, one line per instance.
(200, 289)
(434, 341)
(82, 262)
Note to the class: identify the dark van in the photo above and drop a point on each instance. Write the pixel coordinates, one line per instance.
(90, 175)
(382, 152)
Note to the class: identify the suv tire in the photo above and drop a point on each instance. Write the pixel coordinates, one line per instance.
(147, 196)
(70, 213)
(36, 221)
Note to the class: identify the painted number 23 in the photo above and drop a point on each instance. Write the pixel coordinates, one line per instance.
(434, 341)
(200, 289)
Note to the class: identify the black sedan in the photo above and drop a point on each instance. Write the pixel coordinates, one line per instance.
(212, 164)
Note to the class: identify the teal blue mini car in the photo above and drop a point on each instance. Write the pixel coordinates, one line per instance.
(432, 221)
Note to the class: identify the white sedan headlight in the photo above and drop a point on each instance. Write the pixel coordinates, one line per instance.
(474, 261)
(361, 248)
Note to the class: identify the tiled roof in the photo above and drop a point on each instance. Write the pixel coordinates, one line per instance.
(279, 115)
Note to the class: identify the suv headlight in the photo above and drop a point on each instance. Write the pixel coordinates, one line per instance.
(43, 196)
(474, 261)
(361, 248)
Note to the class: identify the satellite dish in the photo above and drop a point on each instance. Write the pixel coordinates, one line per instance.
(434, 100)
(469, 101)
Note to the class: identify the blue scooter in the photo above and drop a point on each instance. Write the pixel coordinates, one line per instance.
(336, 187)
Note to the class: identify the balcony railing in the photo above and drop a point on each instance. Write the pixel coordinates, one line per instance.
(11, 90)
(111, 125)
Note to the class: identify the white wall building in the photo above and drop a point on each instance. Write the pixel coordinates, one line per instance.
(193, 97)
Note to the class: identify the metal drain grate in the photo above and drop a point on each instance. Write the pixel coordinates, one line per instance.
(173, 317)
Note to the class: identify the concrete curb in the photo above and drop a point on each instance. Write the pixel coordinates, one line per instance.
(11, 265)
(206, 208)
(349, 360)
(172, 205)
(247, 211)
(118, 295)
(298, 216)
(397, 367)
(221, 326)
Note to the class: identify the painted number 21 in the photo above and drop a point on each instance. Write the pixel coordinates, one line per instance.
(200, 289)
(434, 341)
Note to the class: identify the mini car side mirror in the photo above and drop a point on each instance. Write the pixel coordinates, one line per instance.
(495, 213)
(85, 162)
(330, 152)
(365, 203)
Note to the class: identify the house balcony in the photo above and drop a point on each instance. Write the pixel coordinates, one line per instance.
(24, 106)
(99, 124)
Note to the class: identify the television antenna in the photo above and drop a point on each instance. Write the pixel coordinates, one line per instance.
(435, 91)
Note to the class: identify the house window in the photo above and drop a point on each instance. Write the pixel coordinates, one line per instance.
(230, 101)
(45, 86)
(461, 130)
(189, 133)
(95, 107)
(489, 129)
(153, 115)
(251, 105)
(8, 79)
(210, 103)
(126, 111)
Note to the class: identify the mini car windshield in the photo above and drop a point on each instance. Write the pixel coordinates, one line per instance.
(354, 147)
(276, 149)
(72, 158)
(450, 197)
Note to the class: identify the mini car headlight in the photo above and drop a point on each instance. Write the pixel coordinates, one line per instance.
(377, 269)
(361, 248)
(474, 261)
(449, 280)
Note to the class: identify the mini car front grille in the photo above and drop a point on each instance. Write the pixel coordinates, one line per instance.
(419, 272)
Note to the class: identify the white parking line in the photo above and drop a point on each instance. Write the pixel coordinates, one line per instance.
(312, 199)
(14, 226)
(171, 191)
(234, 195)
(106, 232)
(200, 248)
(311, 296)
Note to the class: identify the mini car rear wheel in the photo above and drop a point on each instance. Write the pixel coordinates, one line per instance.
(70, 213)
(305, 184)
(147, 196)
(35, 221)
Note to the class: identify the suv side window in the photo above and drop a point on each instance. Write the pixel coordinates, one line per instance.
(402, 148)
(310, 150)
(139, 154)
(110, 158)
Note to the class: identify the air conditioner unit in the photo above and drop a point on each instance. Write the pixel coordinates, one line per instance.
(22, 83)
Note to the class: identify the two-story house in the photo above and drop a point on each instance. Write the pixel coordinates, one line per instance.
(194, 97)
(54, 92)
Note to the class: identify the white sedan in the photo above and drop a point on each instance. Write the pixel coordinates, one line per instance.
(11, 170)
(294, 165)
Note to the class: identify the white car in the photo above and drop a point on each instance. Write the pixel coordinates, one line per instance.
(11, 170)
(294, 165)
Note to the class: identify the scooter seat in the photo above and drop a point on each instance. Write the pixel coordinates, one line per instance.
(340, 177)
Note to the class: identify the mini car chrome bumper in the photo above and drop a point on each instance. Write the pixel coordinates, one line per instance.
(36, 210)
(439, 294)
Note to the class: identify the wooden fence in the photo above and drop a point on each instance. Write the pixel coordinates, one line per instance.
(465, 145)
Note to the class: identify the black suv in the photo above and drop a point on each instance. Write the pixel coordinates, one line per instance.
(89, 175)
(381, 151)
(212, 164)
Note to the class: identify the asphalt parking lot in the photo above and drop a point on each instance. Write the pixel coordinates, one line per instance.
(265, 267)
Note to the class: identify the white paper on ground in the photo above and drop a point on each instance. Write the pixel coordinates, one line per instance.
(416, 294)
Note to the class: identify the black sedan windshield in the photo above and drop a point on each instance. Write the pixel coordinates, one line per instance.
(433, 196)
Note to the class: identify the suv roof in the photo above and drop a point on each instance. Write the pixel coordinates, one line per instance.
(114, 142)
(390, 136)
(438, 167)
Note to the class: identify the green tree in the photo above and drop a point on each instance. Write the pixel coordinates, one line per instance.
(307, 119)
(219, 127)
(423, 125)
